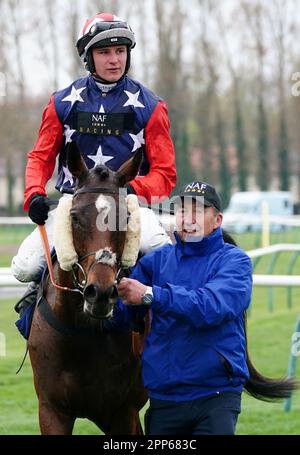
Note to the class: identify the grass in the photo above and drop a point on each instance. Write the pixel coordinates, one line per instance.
(10, 239)
(269, 336)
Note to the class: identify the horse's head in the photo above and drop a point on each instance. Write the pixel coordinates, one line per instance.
(99, 227)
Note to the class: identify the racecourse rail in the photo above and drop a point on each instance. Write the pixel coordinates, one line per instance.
(6, 278)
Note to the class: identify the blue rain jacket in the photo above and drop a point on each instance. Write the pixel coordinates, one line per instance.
(196, 346)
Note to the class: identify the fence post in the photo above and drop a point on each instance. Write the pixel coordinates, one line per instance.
(2, 345)
(295, 352)
(289, 272)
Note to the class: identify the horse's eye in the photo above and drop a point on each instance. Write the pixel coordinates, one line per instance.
(75, 219)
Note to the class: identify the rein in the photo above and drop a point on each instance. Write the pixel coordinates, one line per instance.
(46, 247)
(101, 190)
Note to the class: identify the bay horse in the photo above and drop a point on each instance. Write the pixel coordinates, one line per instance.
(80, 368)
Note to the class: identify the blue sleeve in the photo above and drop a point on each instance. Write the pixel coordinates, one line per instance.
(222, 299)
(143, 270)
(132, 316)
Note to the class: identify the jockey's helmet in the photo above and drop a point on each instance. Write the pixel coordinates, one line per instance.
(104, 30)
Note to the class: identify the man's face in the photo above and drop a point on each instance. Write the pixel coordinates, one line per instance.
(110, 62)
(194, 221)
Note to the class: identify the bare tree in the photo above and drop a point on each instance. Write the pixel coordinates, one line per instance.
(239, 129)
(281, 20)
(16, 32)
(254, 14)
(51, 8)
(210, 57)
(75, 22)
(170, 78)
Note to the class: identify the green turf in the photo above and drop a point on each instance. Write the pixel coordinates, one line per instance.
(10, 239)
(269, 343)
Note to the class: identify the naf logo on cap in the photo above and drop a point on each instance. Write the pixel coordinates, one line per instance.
(202, 189)
(195, 187)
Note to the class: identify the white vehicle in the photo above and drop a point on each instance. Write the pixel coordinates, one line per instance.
(246, 210)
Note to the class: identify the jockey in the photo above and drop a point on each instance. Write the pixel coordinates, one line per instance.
(109, 116)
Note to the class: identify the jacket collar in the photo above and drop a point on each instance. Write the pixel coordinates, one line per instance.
(207, 245)
(118, 85)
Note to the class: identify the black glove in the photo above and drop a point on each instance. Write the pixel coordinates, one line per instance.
(38, 208)
(129, 189)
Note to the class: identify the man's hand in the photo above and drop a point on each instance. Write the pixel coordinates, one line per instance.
(39, 208)
(131, 291)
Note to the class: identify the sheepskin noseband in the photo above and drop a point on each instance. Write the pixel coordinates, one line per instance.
(63, 238)
(133, 235)
(62, 234)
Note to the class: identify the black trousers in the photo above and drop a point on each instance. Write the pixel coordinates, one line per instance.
(214, 414)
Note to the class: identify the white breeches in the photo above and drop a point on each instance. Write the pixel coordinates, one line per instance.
(30, 260)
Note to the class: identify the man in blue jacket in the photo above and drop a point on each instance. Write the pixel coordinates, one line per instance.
(194, 362)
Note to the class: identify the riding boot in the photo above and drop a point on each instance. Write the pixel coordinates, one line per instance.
(28, 299)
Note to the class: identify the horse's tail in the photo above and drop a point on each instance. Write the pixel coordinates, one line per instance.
(264, 388)
(259, 386)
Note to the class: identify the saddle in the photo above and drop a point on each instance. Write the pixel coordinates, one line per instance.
(32, 297)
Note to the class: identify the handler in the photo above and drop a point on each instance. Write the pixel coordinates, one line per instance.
(194, 362)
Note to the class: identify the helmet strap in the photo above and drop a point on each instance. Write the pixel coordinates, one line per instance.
(90, 66)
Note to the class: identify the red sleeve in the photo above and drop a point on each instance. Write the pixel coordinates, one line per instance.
(41, 160)
(159, 149)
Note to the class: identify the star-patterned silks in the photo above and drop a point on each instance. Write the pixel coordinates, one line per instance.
(138, 140)
(68, 177)
(68, 133)
(133, 99)
(74, 95)
(99, 158)
(115, 149)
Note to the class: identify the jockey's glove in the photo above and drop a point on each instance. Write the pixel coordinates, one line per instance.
(38, 208)
(130, 189)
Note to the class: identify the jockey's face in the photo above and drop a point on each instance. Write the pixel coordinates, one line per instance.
(110, 62)
(194, 221)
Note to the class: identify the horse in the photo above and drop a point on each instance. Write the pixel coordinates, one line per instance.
(81, 368)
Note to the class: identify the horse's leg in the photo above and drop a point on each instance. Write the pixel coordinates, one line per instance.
(127, 421)
(53, 422)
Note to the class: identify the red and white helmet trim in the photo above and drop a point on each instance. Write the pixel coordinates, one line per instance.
(122, 32)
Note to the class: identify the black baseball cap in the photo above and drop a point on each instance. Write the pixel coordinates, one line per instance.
(198, 189)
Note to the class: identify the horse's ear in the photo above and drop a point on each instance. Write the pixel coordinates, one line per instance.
(130, 168)
(75, 162)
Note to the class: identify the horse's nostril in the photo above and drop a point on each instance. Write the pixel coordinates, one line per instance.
(91, 293)
(113, 294)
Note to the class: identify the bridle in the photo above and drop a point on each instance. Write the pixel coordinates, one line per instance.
(79, 285)
(106, 254)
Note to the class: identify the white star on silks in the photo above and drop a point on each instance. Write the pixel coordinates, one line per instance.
(133, 99)
(99, 158)
(74, 95)
(101, 110)
(68, 176)
(68, 133)
(138, 140)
